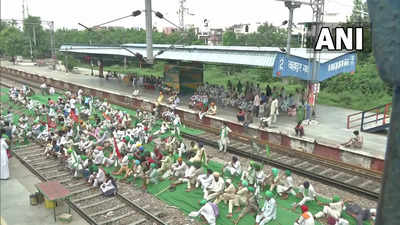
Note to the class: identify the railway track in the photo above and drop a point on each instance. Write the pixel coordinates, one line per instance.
(347, 177)
(128, 207)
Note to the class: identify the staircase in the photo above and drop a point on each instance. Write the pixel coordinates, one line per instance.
(371, 120)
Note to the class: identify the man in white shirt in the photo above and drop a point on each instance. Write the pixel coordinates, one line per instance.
(274, 110)
(333, 209)
(72, 103)
(224, 138)
(205, 179)
(190, 175)
(233, 168)
(256, 104)
(52, 91)
(286, 185)
(179, 168)
(97, 177)
(268, 211)
(216, 187)
(43, 89)
(177, 124)
(124, 165)
(309, 193)
(208, 212)
(4, 169)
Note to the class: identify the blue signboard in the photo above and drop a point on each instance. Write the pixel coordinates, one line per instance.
(293, 66)
(342, 64)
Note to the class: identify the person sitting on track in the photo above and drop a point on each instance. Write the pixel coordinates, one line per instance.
(209, 212)
(306, 218)
(190, 176)
(151, 176)
(360, 214)
(228, 194)
(178, 169)
(268, 211)
(308, 194)
(215, 188)
(285, 187)
(108, 187)
(204, 180)
(332, 210)
(97, 177)
(201, 154)
(233, 168)
(247, 198)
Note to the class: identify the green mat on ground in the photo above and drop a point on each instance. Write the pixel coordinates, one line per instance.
(188, 202)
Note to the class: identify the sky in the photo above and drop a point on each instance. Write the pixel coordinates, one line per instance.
(220, 13)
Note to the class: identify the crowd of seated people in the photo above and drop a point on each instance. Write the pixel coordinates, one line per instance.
(249, 98)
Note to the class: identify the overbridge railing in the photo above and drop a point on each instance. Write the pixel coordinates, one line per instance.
(371, 118)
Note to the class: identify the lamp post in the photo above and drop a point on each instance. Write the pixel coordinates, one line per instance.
(291, 6)
(149, 32)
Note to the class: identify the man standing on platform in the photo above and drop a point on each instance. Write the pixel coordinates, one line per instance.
(224, 138)
(160, 99)
(274, 109)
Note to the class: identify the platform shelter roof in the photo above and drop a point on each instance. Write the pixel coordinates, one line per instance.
(238, 55)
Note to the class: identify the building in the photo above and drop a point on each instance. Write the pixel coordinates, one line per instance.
(245, 28)
(308, 32)
(211, 36)
(168, 30)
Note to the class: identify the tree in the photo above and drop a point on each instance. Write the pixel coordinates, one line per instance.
(229, 38)
(360, 18)
(359, 13)
(11, 41)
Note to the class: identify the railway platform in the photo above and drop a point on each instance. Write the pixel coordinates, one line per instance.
(330, 129)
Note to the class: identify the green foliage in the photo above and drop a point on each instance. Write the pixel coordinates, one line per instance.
(267, 35)
(229, 39)
(362, 90)
(11, 41)
(360, 12)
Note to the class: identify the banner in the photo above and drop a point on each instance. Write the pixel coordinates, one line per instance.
(293, 66)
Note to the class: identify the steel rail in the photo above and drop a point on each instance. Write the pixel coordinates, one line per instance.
(70, 203)
(80, 212)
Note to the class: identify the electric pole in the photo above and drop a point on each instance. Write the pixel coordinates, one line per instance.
(181, 13)
(52, 44)
(318, 16)
(149, 32)
(318, 13)
(291, 6)
(23, 9)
